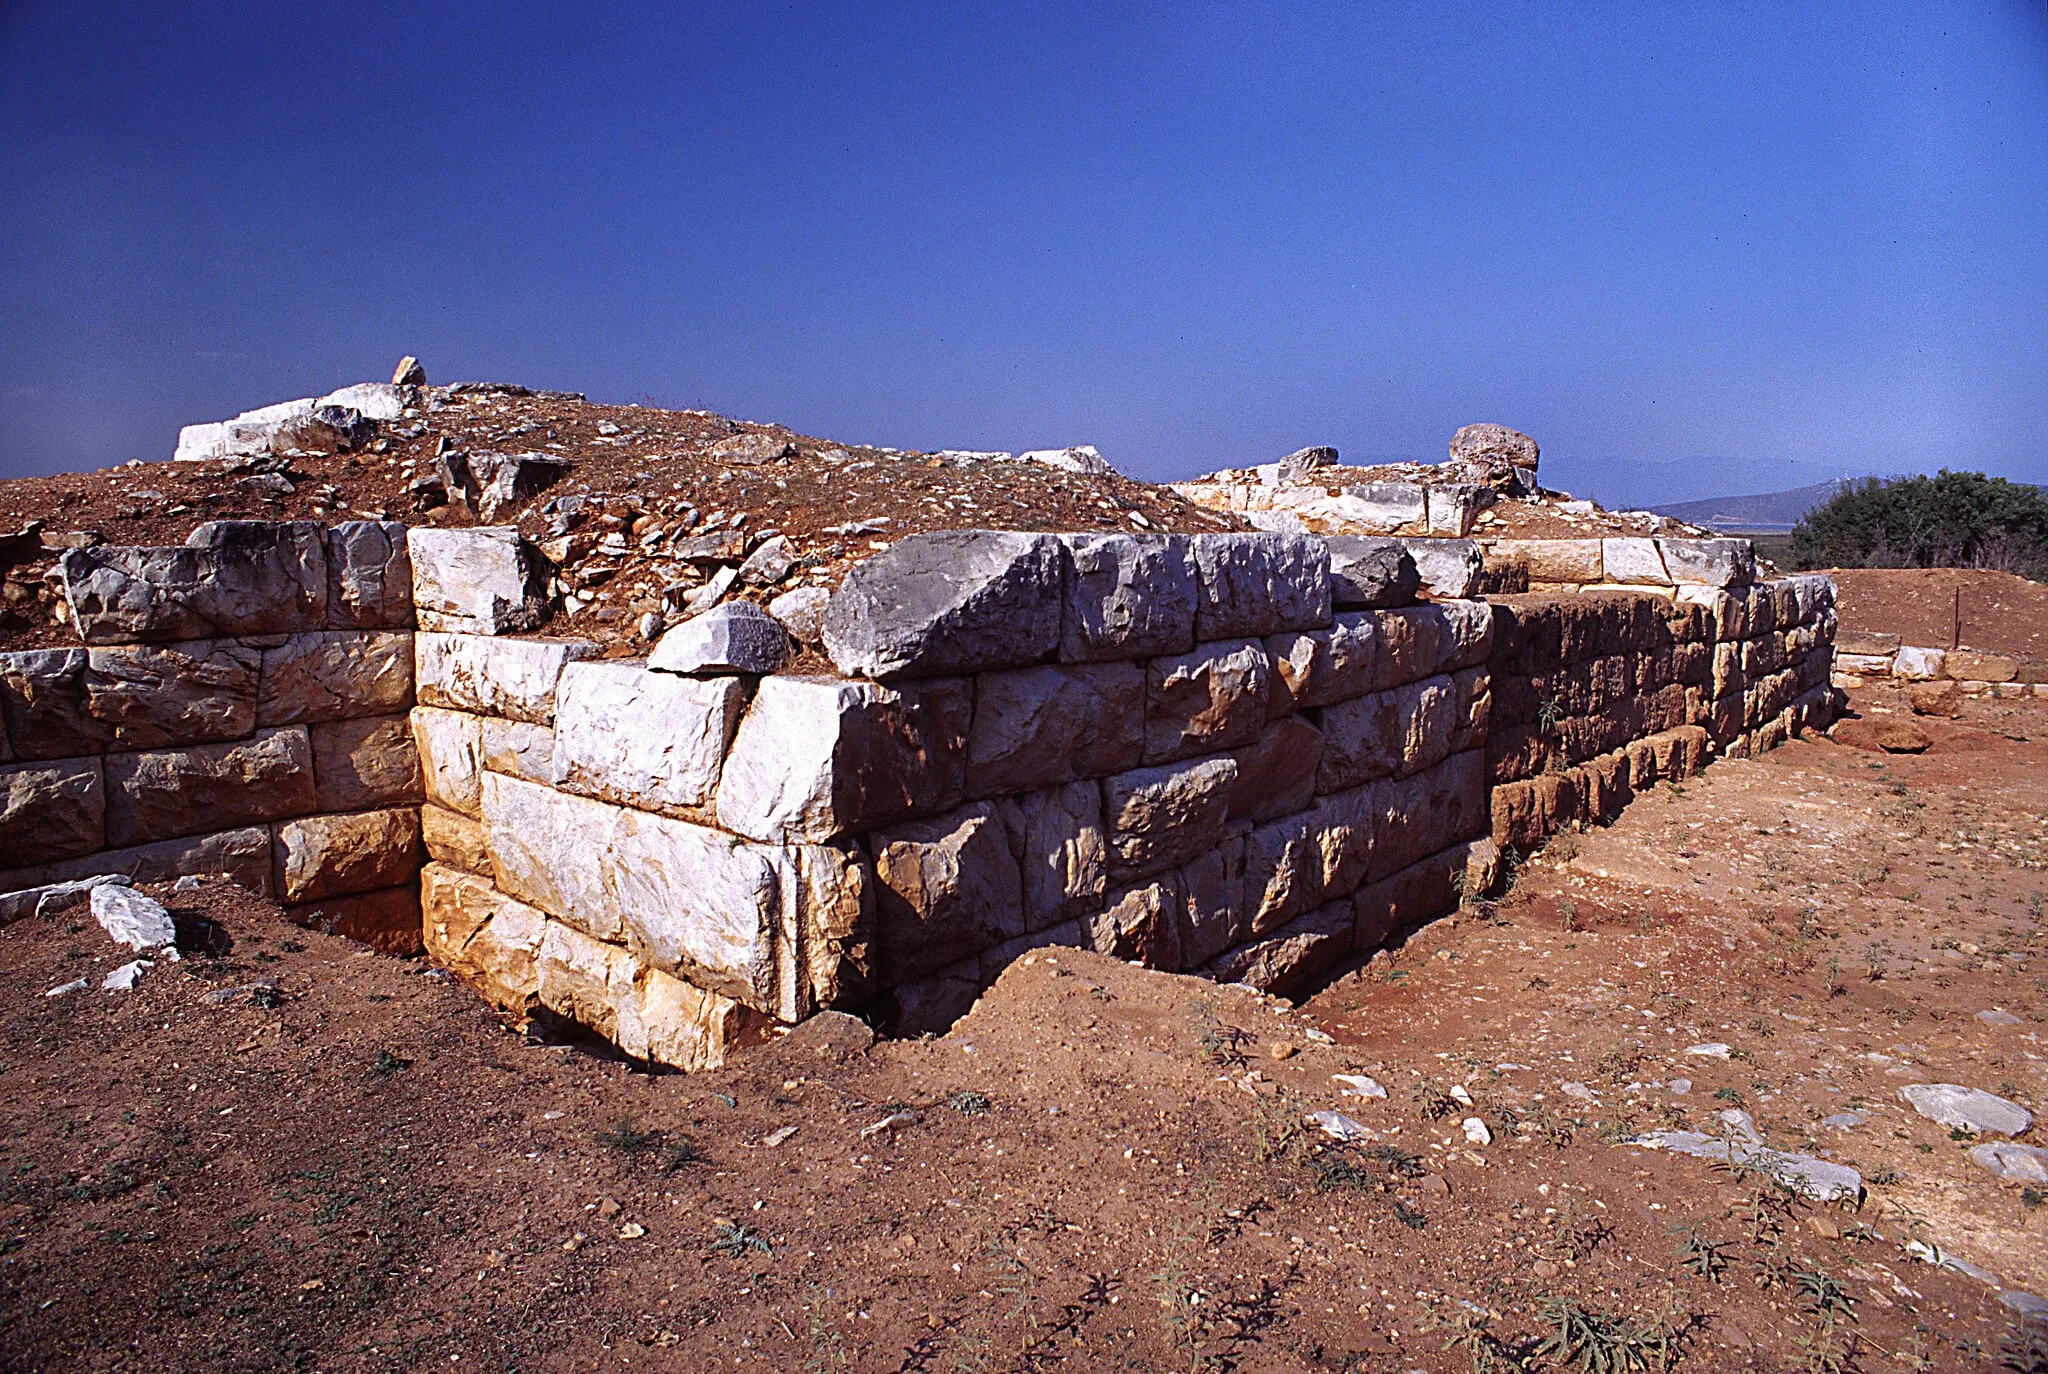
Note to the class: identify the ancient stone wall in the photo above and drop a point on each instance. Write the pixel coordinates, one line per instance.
(238, 705)
(1880, 657)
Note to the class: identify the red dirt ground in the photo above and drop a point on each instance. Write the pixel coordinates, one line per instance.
(2001, 613)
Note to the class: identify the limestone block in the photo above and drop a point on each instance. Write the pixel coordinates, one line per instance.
(1283, 872)
(685, 898)
(1551, 560)
(1344, 824)
(168, 695)
(1868, 642)
(1034, 727)
(451, 767)
(1634, 561)
(1724, 614)
(1712, 562)
(387, 921)
(802, 612)
(950, 602)
(1211, 892)
(1387, 506)
(1397, 732)
(477, 932)
(1967, 665)
(945, 888)
(836, 919)
(687, 1027)
(455, 840)
(1318, 667)
(1061, 850)
(327, 856)
(1916, 664)
(1428, 888)
(930, 1005)
(42, 699)
(592, 982)
(1128, 596)
(1371, 572)
(485, 581)
(1490, 443)
(1213, 698)
(360, 764)
(516, 747)
(1453, 508)
(243, 855)
(1428, 811)
(1259, 584)
(816, 758)
(1160, 817)
(231, 577)
(48, 899)
(369, 576)
(1449, 568)
(732, 637)
(1141, 924)
(1276, 774)
(51, 809)
(514, 678)
(1292, 956)
(1416, 642)
(335, 675)
(652, 740)
(158, 795)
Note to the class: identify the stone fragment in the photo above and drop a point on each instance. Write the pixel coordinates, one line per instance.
(1292, 955)
(1712, 562)
(387, 920)
(1368, 572)
(167, 695)
(1883, 734)
(49, 899)
(231, 577)
(51, 809)
(751, 449)
(1917, 664)
(369, 576)
(42, 700)
(326, 856)
(124, 978)
(1213, 698)
(1141, 924)
(1968, 1109)
(2020, 1163)
(1259, 584)
(241, 855)
(770, 563)
(1276, 774)
(1302, 464)
(802, 612)
(454, 839)
(1810, 1177)
(1159, 817)
(1080, 458)
(450, 747)
(1320, 667)
(517, 747)
(1449, 568)
(946, 888)
(335, 675)
(478, 933)
(485, 581)
(687, 899)
(409, 372)
(1128, 596)
(1636, 561)
(1944, 699)
(1057, 838)
(514, 678)
(361, 764)
(507, 479)
(816, 758)
(209, 787)
(835, 924)
(132, 918)
(737, 637)
(948, 602)
(1485, 443)
(1034, 727)
(1968, 665)
(379, 401)
(652, 740)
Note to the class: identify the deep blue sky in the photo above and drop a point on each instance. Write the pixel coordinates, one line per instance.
(1693, 250)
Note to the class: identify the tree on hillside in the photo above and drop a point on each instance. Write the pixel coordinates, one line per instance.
(1951, 520)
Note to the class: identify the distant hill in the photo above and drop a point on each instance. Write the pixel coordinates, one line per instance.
(1773, 512)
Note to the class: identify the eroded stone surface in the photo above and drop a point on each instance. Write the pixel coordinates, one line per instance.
(51, 809)
(1163, 816)
(165, 695)
(736, 637)
(1292, 955)
(1214, 698)
(1368, 572)
(242, 855)
(1057, 838)
(326, 856)
(1713, 562)
(1129, 596)
(514, 678)
(369, 576)
(42, 699)
(485, 581)
(1276, 774)
(653, 740)
(454, 839)
(335, 675)
(1034, 727)
(1969, 1109)
(231, 577)
(208, 787)
(1259, 584)
(360, 764)
(947, 887)
(473, 930)
(949, 602)
(449, 744)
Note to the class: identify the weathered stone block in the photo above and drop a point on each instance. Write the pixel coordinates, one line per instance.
(386, 921)
(1318, 667)
(687, 1027)
(1449, 568)
(478, 933)
(1292, 956)
(1416, 642)
(1276, 774)
(51, 809)
(1370, 572)
(817, 758)
(231, 577)
(1576, 561)
(946, 888)
(242, 855)
(335, 675)
(360, 764)
(327, 856)
(451, 768)
(1916, 664)
(169, 695)
(1211, 892)
(485, 581)
(1283, 871)
(208, 787)
(1431, 810)
(734, 637)
(686, 898)
(1387, 506)
(835, 919)
(1141, 924)
(1633, 560)
(1452, 509)
(369, 576)
(1213, 698)
(950, 602)
(1968, 665)
(1035, 727)
(1128, 596)
(42, 699)
(652, 740)
(1057, 838)
(514, 678)
(1164, 816)
(454, 839)
(1712, 562)
(592, 982)
(1259, 584)
(517, 747)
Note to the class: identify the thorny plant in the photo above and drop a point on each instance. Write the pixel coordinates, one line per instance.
(1469, 1331)
(1699, 1256)
(628, 1139)
(1432, 1100)
(2025, 1347)
(1573, 1236)
(1220, 1044)
(1590, 1341)
(735, 1239)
